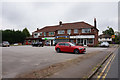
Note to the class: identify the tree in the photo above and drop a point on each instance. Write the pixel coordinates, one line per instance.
(26, 32)
(13, 36)
(109, 31)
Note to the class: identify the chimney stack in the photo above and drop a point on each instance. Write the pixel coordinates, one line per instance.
(37, 29)
(95, 22)
(60, 23)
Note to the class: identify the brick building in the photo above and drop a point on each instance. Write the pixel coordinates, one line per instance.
(80, 33)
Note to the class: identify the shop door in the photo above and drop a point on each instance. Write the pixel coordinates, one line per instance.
(85, 42)
(51, 42)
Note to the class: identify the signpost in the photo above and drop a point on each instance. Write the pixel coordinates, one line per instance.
(113, 36)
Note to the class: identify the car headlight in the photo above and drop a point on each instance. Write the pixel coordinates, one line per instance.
(80, 48)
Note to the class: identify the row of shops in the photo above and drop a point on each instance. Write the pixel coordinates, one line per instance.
(79, 33)
(51, 41)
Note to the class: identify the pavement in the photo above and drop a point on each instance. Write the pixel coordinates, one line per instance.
(20, 59)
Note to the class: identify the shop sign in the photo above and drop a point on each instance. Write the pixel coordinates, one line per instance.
(113, 36)
(48, 38)
(62, 37)
(83, 36)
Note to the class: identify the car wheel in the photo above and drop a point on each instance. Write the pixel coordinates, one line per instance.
(76, 51)
(58, 50)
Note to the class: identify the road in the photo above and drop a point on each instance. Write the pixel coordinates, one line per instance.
(21, 59)
(82, 68)
(113, 71)
(110, 69)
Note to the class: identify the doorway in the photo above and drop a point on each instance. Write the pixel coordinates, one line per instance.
(85, 42)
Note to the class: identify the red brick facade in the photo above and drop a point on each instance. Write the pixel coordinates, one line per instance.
(88, 38)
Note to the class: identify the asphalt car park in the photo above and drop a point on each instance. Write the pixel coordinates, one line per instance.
(20, 59)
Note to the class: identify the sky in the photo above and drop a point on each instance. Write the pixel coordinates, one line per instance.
(38, 13)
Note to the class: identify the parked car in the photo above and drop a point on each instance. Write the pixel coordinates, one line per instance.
(15, 44)
(69, 47)
(5, 44)
(104, 44)
(37, 44)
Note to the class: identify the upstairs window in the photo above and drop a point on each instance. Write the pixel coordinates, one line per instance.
(51, 33)
(40, 33)
(69, 31)
(44, 33)
(75, 30)
(86, 30)
(61, 32)
(35, 34)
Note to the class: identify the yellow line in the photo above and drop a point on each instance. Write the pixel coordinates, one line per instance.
(105, 68)
(108, 68)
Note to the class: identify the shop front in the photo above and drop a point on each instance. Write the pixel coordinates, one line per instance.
(83, 40)
(49, 41)
(61, 39)
(30, 40)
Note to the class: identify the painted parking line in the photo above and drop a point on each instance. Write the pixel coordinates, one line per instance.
(111, 59)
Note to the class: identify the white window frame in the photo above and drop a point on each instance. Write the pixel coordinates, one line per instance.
(52, 33)
(83, 30)
(44, 33)
(40, 33)
(75, 31)
(61, 31)
(69, 31)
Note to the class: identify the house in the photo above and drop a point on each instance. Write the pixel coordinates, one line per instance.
(105, 37)
(79, 33)
(116, 33)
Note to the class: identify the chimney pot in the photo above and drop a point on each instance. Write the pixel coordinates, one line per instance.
(60, 23)
(37, 28)
(95, 22)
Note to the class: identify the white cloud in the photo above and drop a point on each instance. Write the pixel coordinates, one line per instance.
(18, 15)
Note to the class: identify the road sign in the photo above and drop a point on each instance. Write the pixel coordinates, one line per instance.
(113, 36)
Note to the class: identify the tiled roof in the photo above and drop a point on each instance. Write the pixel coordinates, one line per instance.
(76, 25)
(104, 36)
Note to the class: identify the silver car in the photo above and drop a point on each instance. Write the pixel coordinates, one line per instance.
(5, 44)
(104, 44)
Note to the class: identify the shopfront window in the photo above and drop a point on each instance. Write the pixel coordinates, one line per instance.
(61, 32)
(81, 41)
(44, 33)
(86, 30)
(90, 41)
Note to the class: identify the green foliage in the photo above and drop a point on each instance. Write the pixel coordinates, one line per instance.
(109, 31)
(116, 40)
(13, 36)
(26, 32)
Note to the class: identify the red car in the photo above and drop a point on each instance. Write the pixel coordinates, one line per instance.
(69, 47)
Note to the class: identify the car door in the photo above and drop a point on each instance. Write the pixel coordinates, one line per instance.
(67, 47)
(61, 46)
